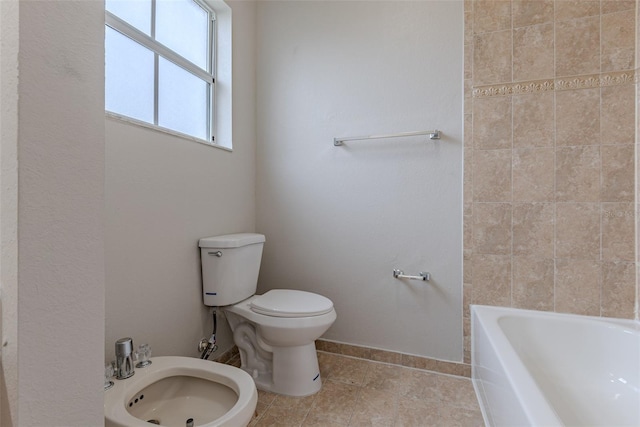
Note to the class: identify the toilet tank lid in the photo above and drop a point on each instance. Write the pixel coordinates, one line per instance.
(231, 240)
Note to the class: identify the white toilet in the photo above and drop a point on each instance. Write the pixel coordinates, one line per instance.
(275, 332)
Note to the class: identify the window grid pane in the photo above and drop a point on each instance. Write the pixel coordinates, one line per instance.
(129, 77)
(182, 100)
(135, 12)
(164, 93)
(183, 26)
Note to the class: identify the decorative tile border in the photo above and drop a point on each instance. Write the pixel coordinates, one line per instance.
(562, 83)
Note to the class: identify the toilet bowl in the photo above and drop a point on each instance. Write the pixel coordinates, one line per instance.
(275, 332)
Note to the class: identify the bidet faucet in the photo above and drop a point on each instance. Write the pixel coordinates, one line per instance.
(124, 358)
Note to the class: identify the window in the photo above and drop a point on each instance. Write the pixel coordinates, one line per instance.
(160, 63)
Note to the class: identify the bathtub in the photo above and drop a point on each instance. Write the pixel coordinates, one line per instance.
(533, 368)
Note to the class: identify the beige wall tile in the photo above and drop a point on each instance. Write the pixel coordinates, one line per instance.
(330, 346)
(618, 173)
(468, 61)
(468, 27)
(532, 12)
(466, 271)
(578, 174)
(618, 41)
(533, 53)
(618, 289)
(578, 231)
(570, 9)
(572, 154)
(611, 6)
(355, 351)
(467, 208)
(533, 281)
(492, 58)
(468, 179)
(617, 116)
(491, 15)
(491, 229)
(386, 356)
(533, 175)
(492, 280)
(578, 46)
(618, 232)
(533, 229)
(418, 362)
(577, 287)
(492, 175)
(492, 123)
(466, 343)
(578, 117)
(467, 232)
(534, 120)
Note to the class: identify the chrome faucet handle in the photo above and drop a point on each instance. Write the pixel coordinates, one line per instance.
(108, 373)
(124, 358)
(143, 354)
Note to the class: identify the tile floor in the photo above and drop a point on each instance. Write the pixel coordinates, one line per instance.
(358, 392)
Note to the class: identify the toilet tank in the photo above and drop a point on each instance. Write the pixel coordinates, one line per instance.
(230, 267)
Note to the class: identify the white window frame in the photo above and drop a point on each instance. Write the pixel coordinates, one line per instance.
(158, 49)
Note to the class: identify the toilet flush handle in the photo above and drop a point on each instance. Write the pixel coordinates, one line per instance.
(216, 253)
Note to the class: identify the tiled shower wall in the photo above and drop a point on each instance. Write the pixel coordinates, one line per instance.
(550, 123)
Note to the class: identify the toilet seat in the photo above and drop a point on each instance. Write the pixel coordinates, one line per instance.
(291, 303)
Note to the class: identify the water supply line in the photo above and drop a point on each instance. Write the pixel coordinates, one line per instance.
(211, 344)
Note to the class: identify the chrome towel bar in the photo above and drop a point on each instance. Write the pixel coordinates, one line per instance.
(433, 134)
(399, 274)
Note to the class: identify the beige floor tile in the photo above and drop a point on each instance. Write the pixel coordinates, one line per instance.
(452, 416)
(327, 362)
(266, 397)
(417, 413)
(335, 402)
(374, 408)
(282, 417)
(350, 371)
(294, 403)
(418, 385)
(367, 393)
(457, 392)
(261, 409)
(383, 377)
(313, 420)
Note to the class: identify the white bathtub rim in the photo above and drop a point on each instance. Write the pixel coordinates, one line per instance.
(538, 410)
(631, 324)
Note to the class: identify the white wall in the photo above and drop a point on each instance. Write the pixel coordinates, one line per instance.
(163, 193)
(9, 45)
(52, 214)
(338, 220)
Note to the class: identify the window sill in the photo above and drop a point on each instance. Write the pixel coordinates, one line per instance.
(117, 117)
